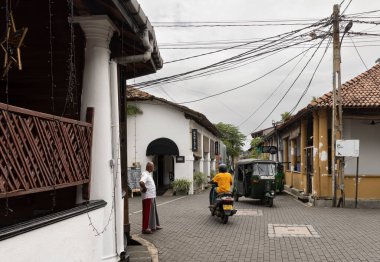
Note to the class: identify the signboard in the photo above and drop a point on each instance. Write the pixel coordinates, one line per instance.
(134, 175)
(347, 148)
(269, 149)
(216, 148)
(194, 139)
(180, 159)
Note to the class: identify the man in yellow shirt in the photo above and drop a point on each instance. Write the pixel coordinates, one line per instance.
(224, 180)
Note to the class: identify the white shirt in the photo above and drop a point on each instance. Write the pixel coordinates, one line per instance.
(147, 178)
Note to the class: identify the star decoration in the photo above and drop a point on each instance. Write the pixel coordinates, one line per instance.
(11, 44)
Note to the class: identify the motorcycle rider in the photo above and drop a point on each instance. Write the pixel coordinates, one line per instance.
(224, 181)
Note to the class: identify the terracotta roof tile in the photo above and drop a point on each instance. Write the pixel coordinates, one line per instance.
(361, 91)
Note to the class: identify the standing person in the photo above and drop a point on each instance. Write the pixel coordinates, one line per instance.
(148, 188)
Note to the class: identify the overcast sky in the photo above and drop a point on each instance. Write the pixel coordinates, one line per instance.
(236, 106)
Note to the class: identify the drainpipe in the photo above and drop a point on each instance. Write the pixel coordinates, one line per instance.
(148, 44)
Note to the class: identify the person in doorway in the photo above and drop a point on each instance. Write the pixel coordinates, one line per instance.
(150, 221)
(224, 181)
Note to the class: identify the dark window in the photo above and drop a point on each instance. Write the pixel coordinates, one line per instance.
(329, 150)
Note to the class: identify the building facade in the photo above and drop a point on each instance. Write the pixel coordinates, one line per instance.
(180, 141)
(61, 113)
(307, 152)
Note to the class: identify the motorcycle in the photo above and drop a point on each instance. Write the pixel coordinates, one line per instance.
(223, 205)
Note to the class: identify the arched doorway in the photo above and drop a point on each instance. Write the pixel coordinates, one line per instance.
(163, 150)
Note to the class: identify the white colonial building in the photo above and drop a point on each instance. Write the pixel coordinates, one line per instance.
(61, 159)
(180, 141)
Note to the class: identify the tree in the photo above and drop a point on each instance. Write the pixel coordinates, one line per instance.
(255, 143)
(285, 116)
(232, 138)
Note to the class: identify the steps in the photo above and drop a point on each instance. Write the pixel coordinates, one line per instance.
(138, 253)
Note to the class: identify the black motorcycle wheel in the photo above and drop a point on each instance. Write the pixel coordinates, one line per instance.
(268, 201)
(224, 219)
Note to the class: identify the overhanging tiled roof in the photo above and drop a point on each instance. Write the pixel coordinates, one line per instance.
(361, 91)
(134, 94)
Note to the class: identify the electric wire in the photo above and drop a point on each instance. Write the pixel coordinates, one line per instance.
(233, 59)
(291, 86)
(247, 83)
(362, 60)
(311, 79)
(273, 92)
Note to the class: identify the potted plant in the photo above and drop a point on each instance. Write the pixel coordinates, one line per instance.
(209, 178)
(199, 179)
(181, 186)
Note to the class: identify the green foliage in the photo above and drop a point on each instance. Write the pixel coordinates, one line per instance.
(133, 110)
(255, 145)
(285, 116)
(181, 185)
(232, 138)
(199, 178)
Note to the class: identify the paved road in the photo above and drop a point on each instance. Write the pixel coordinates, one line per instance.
(190, 233)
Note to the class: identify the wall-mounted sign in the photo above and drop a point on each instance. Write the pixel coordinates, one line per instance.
(194, 139)
(347, 148)
(180, 159)
(216, 148)
(269, 149)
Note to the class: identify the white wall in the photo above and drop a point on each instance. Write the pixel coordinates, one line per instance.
(69, 240)
(156, 121)
(369, 163)
(162, 120)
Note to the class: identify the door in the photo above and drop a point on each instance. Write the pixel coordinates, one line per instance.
(239, 180)
(309, 169)
(160, 171)
(248, 172)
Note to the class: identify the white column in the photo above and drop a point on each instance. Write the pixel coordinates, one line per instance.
(119, 202)
(202, 156)
(96, 93)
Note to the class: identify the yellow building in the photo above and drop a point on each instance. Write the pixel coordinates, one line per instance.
(305, 146)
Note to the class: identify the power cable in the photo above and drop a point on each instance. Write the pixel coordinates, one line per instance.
(247, 83)
(357, 51)
(275, 90)
(371, 76)
(291, 86)
(284, 36)
(311, 80)
(236, 46)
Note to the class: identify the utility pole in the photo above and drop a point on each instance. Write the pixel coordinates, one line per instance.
(336, 58)
(274, 123)
(337, 113)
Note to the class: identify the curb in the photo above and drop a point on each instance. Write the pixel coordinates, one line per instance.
(153, 251)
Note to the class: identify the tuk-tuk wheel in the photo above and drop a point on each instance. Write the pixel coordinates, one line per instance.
(236, 197)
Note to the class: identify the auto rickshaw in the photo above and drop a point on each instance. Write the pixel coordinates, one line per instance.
(255, 178)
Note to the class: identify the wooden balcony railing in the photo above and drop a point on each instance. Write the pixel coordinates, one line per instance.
(41, 152)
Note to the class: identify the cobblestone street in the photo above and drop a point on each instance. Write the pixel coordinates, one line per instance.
(289, 231)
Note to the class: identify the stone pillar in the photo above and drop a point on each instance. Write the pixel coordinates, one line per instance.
(323, 153)
(96, 93)
(303, 153)
(316, 175)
